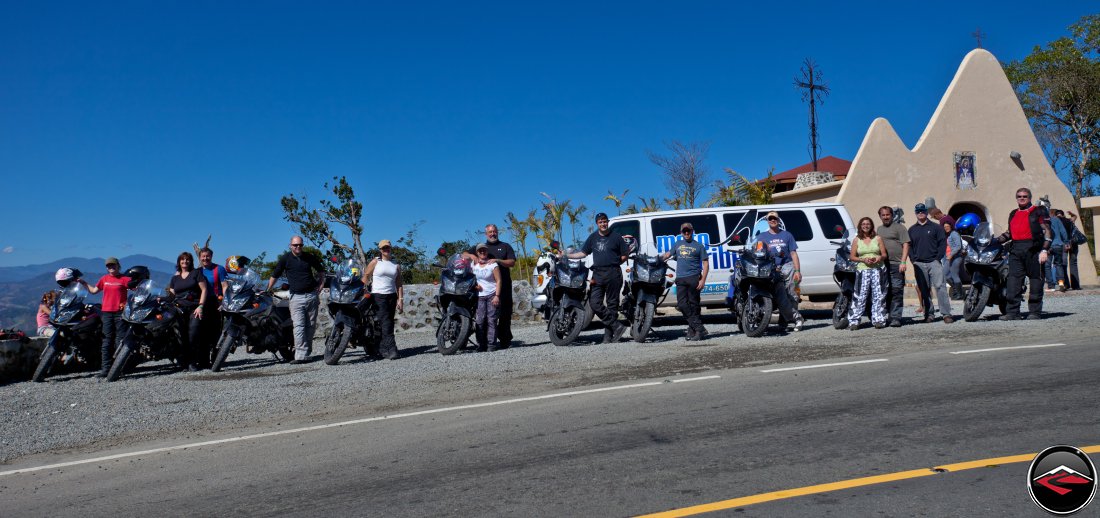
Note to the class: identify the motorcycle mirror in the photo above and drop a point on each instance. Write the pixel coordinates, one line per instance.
(334, 259)
(442, 252)
(555, 245)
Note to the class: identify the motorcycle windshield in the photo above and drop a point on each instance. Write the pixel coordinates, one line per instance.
(457, 277)
(240, 290)
(348, 273)
(141, 301)
(983, 235)
(68, 304)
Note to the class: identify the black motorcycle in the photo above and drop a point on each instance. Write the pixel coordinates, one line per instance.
(646, 287)
(353, 322)
(567, 298)
(457, 302)
(987, 264)
(78, 331)
(253, 318)
(150, 326)
(754, 281)
(844, 274)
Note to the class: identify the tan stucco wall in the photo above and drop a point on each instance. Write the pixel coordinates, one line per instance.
(979, 113)
(817, 193)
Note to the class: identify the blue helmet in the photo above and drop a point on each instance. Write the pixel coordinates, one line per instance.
(967, 221)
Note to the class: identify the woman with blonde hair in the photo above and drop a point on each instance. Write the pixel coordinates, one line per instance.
(870, 252)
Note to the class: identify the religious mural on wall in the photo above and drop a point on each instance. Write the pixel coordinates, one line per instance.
(964, 171)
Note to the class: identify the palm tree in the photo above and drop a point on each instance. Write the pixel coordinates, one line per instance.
(574, 214)
(650, 205)
(742, 191)
(518, 228)
(617, 200)
(554, 213)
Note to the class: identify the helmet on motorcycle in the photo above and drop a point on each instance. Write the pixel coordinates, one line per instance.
(65, 276)
(967, 221)
(235, 263)
(137, 275)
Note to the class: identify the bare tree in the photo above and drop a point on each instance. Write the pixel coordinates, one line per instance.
(686, 174)
(814, 91)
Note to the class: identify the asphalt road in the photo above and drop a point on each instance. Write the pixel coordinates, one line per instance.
(632, 447)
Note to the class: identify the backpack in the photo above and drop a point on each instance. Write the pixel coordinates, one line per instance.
(1077, 236)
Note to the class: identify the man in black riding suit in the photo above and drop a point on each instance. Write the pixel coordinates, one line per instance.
(608, 250)
(1029, 231)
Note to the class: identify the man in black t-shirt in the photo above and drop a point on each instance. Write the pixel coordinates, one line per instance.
(504, 256)
(608, 250)
(305, 274)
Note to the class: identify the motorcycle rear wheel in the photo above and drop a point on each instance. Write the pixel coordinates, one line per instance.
(757, 317)
(336, 344)
(452, 334)
(643, 320)
(49, 355)
(566, 325)
(840, 311)
(119, 365)
(976, 300)
(224, 346)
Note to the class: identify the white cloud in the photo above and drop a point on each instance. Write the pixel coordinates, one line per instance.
(8, 249)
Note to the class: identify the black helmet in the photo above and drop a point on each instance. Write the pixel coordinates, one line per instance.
(137, 275)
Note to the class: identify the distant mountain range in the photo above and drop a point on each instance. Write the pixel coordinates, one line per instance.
(21, 287)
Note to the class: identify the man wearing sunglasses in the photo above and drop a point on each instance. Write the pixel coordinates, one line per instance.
(928, 246)
(305, 274)
(691, 275)
(785, 250)
(1029, 232)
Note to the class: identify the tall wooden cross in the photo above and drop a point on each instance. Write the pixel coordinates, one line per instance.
(978, 35)
(814, 90)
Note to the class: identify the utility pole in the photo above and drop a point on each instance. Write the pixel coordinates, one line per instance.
(814, 90)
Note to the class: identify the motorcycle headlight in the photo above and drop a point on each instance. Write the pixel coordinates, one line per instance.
(235, 304)
(987, 256)
(751, 269)
(448, 285)
(345, 296)
(64, 316)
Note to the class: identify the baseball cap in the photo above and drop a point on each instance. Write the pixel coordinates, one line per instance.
(384, 243)
(601, 215)
(920, 208)
(110, 261)
(773, 214)
(686, 225)
(481, 246)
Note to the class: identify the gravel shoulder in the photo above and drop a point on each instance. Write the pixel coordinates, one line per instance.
(78, 413)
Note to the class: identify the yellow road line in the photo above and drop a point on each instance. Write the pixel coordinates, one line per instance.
(848, 484)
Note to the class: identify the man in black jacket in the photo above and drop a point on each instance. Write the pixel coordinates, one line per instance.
(305, 274)
(1029, 232)
(608, 251)
(927, 247)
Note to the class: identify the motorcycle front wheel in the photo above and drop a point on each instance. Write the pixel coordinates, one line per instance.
(976, 300)
(566, 325)
(49, 355)
(336, 344)
(452, 334)
(643, 320)
(840, 311)
(119, 365)
(757, 316)
(225, 345)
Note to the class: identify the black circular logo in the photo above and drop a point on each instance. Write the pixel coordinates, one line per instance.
(1062, 480)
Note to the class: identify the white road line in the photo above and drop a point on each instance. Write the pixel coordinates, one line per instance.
(817, 366)
(1007, 348)
(345, 423)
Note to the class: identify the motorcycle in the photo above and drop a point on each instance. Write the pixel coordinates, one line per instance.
(753, 283)
(987, 263)
(646, 287)
(150, 326)
(353, 322)
(544, 266)
(844, 274)
(457, 302)
(567, 297)
(78, 331)
(259, 320)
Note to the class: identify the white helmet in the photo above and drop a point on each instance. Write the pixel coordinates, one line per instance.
(63, 274)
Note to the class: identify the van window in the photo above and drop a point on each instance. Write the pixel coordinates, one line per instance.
(831, 220)
(796, 222)
(666, 231)
(630, 227)
(740, 222)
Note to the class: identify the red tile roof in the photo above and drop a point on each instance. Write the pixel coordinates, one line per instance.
(838, 166)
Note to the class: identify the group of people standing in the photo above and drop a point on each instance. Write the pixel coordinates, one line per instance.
(935, 252)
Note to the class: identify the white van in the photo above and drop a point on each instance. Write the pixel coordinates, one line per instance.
(812, 224)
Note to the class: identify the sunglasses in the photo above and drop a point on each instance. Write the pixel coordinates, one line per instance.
(112, 266)
(296, 244)
(773, 219)
(686, 231)
(385, 248)
(1024, 197)
(922, 212)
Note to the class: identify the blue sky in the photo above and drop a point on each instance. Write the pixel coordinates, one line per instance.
(139, 127)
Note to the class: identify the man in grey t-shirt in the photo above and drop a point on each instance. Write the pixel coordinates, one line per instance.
(691, 275)
(896, 238)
